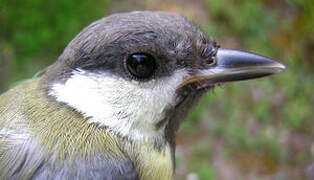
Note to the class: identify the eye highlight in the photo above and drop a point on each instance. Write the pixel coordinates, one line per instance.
(141, 65)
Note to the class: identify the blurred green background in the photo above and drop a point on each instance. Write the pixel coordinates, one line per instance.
(259, 129)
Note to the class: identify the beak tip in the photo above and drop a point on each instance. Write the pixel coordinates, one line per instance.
(279, 67)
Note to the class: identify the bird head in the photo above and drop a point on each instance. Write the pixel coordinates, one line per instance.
(137, 74)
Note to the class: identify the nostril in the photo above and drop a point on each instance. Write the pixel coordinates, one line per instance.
(210, 61)
(207, 55)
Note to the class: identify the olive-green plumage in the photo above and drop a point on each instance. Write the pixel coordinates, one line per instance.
(35, 129)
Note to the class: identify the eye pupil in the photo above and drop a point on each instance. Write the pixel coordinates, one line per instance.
(141, 65)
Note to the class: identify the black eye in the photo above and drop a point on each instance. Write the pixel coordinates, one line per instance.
(141, 65)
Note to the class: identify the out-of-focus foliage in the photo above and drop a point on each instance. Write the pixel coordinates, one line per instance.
(263, 127)
(34, 32)
(260, 129)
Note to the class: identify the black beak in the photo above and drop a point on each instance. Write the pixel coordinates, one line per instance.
(234, 65)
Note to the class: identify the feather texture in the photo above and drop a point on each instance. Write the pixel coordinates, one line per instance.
(42, 138)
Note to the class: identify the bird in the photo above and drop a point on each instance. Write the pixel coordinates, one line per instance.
(111, 104)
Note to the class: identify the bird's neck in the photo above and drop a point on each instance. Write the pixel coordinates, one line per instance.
(64, 132)
(151, 162)
(131, 109)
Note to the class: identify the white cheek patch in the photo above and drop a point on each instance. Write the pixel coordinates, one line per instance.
(129, 108)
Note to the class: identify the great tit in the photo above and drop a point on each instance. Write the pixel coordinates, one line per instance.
(110, 106)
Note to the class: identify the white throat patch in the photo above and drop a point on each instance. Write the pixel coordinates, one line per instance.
(129, 108)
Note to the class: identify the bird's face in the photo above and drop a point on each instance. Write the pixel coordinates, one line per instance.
(137, 73)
